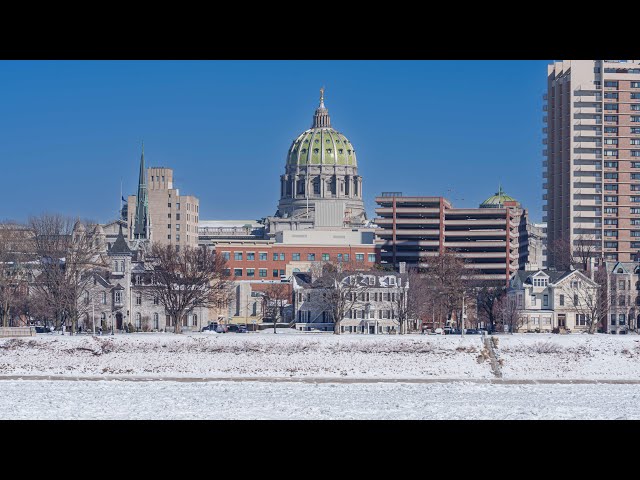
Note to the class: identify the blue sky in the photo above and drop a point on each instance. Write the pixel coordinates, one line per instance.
(70, 131)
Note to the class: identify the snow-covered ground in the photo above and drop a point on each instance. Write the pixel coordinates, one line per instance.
(31, 399)
(318, 376)
(523, 356)
(245, 355)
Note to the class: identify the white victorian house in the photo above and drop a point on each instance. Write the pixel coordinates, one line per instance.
(546, 300)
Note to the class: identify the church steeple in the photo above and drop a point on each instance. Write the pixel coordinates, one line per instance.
(321, 117)
(141, 221)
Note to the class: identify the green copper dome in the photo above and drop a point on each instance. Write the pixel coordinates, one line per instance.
(497, 200)
(321, 146)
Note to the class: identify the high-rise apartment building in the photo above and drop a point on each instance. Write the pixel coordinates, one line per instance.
(164, 216)
(592, 157)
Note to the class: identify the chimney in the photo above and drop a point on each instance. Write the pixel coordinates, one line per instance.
(402, 267)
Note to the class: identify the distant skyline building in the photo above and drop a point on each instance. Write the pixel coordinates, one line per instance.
(159, 213)
(321, 186)
(491, 239)
(592, 149)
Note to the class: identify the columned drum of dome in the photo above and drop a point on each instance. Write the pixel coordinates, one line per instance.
(321, 181)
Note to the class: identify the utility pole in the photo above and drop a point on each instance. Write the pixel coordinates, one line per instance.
(462, 316)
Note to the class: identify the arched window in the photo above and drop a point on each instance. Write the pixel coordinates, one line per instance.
(156, 321)
(138, 320)
(104, 298)
(620, 270)
(115, 265)
(195, 320)
(122, 265)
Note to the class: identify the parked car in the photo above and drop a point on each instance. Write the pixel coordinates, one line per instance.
(437, 331)
(233, 328)
(41, 329)
(471, 331)
(242, 329)
(448, 331)
(211, 327)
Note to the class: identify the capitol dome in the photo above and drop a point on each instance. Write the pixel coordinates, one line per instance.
(497, 200)
(321, 185)
(321, 146)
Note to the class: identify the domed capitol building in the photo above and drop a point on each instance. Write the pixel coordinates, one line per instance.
(321, 186)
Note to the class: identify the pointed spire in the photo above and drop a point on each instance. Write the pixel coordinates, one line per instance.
(140, 230)
(321, 117)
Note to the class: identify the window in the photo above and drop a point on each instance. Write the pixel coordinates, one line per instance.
(540, 282)
(282, 256)
(635, 199)
(138, 299)
(635, 221)
(295, 257)
(262, 256)
(371, 257)
(117, 297)
(611, 118)
(545, 300)
(562, 300)
(169, 237)
(359, 257)
(613, 318)
(339, 257)
(611, 106)
(177, 227)
(610, 141)
(635, 233)
(610, 233)
(635, 107)
(275, 273)
(156, 321)
(177, 237)
(635, 211)
(635, 130)
(168, 215)
(610, 129)
(226, 255)
(581, 319)
(138, 320)
(610, 186)
(533, 300)
(611, 83)
(326, 257)
(281, 272)
(575, 299)
(104, 298)
(311, 256)
(251, 256)
(251, 272)
(611, 199)
(635, 84)
(622, 319)
(346, 257)
(275, 257)
(635, 118)
(610, 95)
(262, 272)
(156, 300)
(610, 221)
(621, 284)
(237, 255)
(611, 210)
(237, 272)
(610, 153)
(611, 245)
(168, 225)
(635, 164)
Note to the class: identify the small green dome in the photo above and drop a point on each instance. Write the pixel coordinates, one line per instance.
(497, 200)
(321, 146)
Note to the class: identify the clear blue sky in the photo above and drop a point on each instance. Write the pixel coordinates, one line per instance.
(71, 130)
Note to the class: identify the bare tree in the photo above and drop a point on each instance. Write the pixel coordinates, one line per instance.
(488, 299)
(447, 280)
(13, 284)
(588, 300)
(66, 257)
(565, 255)
(508, 314)
(187, 279)
(343, 289)
(411, 300)
(275, 297)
